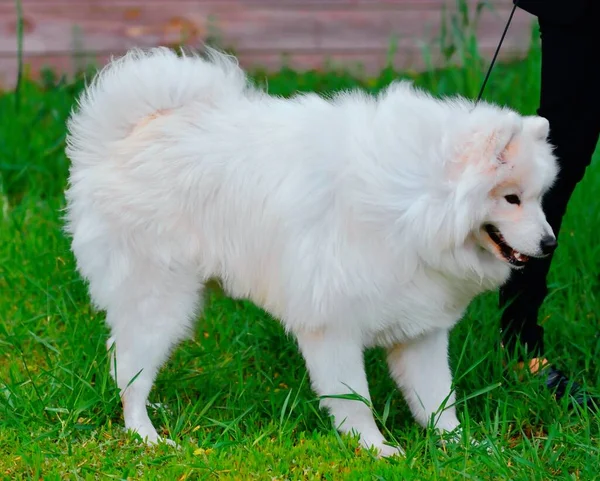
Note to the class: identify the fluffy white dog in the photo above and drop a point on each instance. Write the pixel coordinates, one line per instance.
(356, 220)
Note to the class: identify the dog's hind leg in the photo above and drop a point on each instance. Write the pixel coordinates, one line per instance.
(149, 314)
(421, 370)
(336, 366)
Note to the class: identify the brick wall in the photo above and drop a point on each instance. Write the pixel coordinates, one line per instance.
(63, 34)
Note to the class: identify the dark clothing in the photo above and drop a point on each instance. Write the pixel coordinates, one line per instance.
(570, 100)
(559, 12)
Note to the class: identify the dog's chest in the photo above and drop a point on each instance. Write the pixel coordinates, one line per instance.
(419, 309)
(405, 328)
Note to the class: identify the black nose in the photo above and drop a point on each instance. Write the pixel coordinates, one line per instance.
(548, 244)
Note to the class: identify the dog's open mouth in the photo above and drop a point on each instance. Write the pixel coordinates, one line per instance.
(512, 256)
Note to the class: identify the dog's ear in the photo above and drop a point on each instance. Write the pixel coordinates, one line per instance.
(487, 149)
(537, 126)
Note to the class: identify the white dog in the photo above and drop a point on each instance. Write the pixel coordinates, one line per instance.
(356, 220)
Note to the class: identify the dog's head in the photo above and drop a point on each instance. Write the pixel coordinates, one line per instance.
(501, 169)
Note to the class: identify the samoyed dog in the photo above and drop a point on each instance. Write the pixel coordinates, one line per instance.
(356, 220)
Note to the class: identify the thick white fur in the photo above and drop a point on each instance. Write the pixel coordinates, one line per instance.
(355, 220)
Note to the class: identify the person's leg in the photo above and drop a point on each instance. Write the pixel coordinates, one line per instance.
(571, 103)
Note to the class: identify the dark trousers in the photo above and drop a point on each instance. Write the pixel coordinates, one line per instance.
(570, 100)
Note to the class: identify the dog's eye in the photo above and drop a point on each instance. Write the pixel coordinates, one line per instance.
(513, 199)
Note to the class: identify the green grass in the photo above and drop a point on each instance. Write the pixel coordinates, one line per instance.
(237, 395)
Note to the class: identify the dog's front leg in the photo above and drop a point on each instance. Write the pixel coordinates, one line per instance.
(421, 370)
(336, 366)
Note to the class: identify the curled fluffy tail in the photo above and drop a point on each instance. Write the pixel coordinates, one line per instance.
(141, 83)
(123, 95)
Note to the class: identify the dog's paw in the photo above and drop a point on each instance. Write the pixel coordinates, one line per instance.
(387, 451)
(160, 440)
(149, 436)
(155, 441)
(381, 449)
(168, 442)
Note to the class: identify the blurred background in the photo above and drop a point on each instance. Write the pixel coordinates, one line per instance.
(362, 36)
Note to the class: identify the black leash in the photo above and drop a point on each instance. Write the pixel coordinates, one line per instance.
(487, 76)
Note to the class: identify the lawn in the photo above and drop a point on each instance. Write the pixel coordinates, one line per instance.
(236, 396)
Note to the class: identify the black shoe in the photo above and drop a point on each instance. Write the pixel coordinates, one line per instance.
(561, 385)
